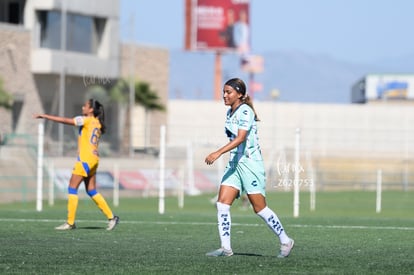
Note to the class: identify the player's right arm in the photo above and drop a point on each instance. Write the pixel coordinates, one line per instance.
(239, 139)
(64, 120)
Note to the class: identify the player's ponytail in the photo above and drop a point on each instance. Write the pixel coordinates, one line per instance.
(98, 112)
(240, 87)
(247, 99)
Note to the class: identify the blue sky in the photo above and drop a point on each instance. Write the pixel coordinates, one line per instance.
(358, 31)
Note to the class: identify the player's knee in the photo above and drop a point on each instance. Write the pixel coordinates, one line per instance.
(222, 206)
(258, 208)
(92, 193)
(72, 191)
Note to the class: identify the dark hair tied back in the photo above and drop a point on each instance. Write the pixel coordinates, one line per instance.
(239, 85)
(98, 112)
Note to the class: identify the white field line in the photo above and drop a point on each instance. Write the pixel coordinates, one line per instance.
(365, 227)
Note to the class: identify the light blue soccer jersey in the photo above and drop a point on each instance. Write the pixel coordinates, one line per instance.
(243, 118)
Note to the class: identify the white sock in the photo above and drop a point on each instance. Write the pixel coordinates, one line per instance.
(224, 224)
(274, 224)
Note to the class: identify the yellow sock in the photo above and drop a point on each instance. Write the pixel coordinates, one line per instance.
(101, 203)
(72, 207)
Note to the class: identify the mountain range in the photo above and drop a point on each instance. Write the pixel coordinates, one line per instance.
(297, 76)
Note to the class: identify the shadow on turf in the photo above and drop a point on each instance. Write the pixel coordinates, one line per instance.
(90, 227)
(248, 254)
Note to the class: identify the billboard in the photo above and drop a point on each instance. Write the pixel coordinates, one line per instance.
(389, 87)
(383, 87)
(218, 25)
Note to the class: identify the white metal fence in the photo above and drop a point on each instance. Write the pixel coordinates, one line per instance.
(341, 147)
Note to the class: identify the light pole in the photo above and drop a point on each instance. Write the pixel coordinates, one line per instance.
(131, 88)
(62, 75)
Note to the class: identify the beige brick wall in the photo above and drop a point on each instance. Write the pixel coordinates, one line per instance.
(17, 78)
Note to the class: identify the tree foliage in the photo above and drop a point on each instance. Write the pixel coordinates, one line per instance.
(98, 93)
(120, 91)
(143, 94)
(146, 97)
(6, 100)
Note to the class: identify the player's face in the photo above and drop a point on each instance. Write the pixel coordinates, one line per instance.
(87, 110)
(230, 96)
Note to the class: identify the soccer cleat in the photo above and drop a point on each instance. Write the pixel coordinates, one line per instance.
(112, 223)
(286, 248)
(221, 252)
(65, 226)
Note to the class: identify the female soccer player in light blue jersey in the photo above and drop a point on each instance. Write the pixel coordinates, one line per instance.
(245, 171)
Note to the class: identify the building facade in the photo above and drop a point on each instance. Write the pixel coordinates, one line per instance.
(56, 54)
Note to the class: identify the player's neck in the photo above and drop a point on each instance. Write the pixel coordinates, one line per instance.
(235, 106)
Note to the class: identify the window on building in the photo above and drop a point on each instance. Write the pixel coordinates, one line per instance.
(12, 11)
(83, 33)
(49, 29)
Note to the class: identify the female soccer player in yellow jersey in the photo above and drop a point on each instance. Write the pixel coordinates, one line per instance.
(91, 127)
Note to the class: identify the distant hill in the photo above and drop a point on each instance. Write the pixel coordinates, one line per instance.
(299, 77)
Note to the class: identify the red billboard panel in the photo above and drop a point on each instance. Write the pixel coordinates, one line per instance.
(222, 25)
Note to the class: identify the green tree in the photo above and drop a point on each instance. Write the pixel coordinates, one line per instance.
(99, 93)
(120, 91)
(143, 95)
(6, 100)
(150, 100)
(147, 98)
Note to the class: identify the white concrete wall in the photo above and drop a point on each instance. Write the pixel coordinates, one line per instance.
(374, 129)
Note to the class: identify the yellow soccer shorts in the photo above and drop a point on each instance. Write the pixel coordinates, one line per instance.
(85, 169)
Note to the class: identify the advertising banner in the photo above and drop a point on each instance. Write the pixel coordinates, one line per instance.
(218, 25)
(389, 87)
